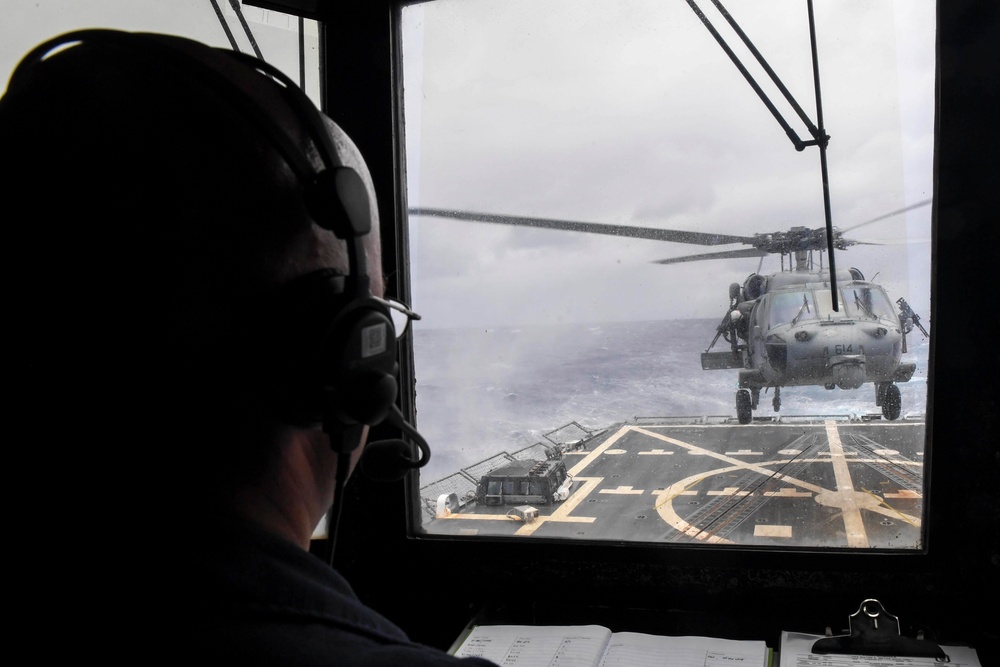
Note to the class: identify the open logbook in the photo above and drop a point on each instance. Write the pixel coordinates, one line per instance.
(597, 646)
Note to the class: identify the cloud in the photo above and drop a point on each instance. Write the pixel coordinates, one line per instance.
(633, 114)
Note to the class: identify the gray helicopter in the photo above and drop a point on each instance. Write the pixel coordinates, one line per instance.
(785, 328)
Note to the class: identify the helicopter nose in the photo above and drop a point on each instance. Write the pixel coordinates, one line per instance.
(848, 371)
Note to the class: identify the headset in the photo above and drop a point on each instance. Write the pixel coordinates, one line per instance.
(332, 361)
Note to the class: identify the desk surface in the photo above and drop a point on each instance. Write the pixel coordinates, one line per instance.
(747, 624)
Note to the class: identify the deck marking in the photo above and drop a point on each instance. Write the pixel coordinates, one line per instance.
(561, 513)
(665, 507)
(847, 499)
(627, 490)
(787, 492)
(586, 460)
(744, 452)
(728, 491)
(695, 449)
(847, 502)
(679, 489)
(455, 516)
(900, 515)
(783, 424)
(879, 501)
(763, 530)
(577, 497)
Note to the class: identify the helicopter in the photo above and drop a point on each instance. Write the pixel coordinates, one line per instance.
(785, 328)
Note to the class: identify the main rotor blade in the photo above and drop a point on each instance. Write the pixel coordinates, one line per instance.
(725, 254)
(892, 242)
(889, 215)
(650, 233)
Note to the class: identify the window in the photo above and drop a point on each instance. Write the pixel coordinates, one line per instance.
(792, 307)
(549, 145)
(868, 302)
(280, 39)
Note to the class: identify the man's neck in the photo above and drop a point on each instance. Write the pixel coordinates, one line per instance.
(293, 497)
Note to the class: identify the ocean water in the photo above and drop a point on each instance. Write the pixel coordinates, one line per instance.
(484, 391)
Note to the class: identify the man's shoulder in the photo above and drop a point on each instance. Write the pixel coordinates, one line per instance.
(248, 597)
(304, 646)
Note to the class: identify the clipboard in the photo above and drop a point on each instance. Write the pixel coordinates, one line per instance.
(874, 631)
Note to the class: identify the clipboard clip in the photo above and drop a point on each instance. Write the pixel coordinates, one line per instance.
(874, 631)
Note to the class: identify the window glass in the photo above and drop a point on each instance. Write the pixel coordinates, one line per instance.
(869, 303)
(529, 123)
(280, 39)
(792, 307)
(824, 303)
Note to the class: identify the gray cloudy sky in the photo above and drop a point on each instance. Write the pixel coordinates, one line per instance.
(618, 111)
(28, 23)
(629, 112)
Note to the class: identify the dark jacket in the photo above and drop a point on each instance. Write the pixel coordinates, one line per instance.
(247, 597)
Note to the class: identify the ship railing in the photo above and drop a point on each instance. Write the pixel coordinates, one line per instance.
(694, 420)
(463, 483)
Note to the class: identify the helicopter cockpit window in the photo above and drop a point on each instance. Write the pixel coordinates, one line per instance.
(621, 263)
(869, 303)
(792, 308)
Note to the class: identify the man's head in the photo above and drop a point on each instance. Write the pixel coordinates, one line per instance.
(162, 209)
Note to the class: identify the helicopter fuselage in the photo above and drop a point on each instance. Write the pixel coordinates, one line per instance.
(796, 338)
(784, 331)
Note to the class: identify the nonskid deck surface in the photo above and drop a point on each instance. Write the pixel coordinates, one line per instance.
(810, 482)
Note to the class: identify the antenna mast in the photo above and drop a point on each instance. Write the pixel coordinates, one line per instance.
(819, 136)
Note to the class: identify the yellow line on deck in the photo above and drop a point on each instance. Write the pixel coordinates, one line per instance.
(586, 460)
(854, 524)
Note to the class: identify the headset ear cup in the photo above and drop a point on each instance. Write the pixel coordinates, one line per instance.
(323, 207)
(338, 201)
(360, 364)
(332, 358)
(367, 397)
(353, 197)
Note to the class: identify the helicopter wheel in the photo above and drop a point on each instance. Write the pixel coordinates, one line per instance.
(776, 401)
(744, 411)
(891, 402)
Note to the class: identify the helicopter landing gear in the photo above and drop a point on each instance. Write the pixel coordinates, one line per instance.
(887, 395)
(776, 401)
(754, 397)
(744, 411)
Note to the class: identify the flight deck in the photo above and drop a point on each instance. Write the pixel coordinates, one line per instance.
(830, 482)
